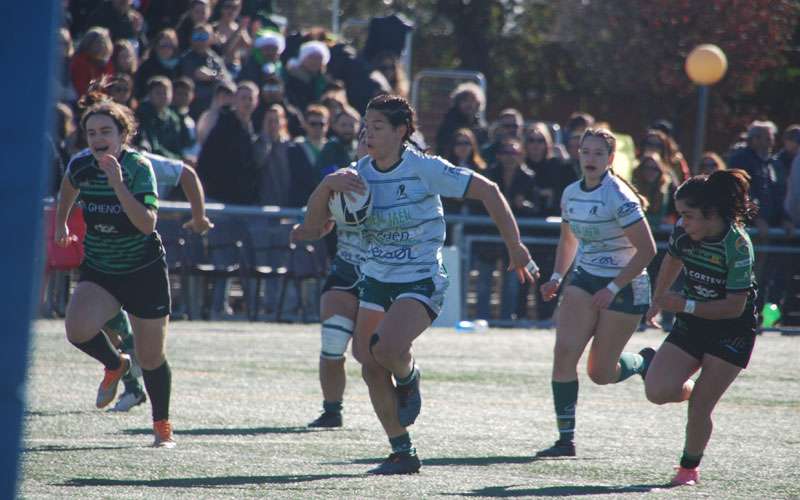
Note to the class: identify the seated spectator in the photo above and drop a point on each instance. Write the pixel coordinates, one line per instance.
(223, 96)
(120, 89)
(305, 76)
(227, 160)
(509, 125)
(272, 93)
(552, 174)
(232, 38)
(123, 21)
(653, 180)
(340, 149)
(467, 102)
(124, 58)
(272, 158)
(656, 141)
(265, 58)
(159, 126)
(205, 67)
(92, 59)
(182, 97)
(162, 61)
(198, 14)
(710, 162)
(304, 154)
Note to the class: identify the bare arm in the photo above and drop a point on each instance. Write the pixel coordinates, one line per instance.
(732, 306)
(143, 218)
(67, 195)
(481, 188)
(565, 255)
(193, 189)
(316, 223)
(642, 239)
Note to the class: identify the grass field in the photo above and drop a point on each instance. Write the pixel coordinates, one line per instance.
(243, 392)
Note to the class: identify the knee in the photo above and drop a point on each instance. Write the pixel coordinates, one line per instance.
(699, 411)
(601, 376)
(565, 354)
(336, 333)
(77, 331)
(151, 361)
(656, 394)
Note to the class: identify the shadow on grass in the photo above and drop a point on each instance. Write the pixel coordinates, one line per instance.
(42, 413)
(58, 447)
(476, 461)
(205, 482)
(560, 491)
(226, 431)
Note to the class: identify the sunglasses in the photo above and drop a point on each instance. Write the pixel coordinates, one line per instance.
(654, 144)
(508, 152)
(709, 164)
(463, 143)
(316, 124)
(536, 140)
(200, 36)
(166, 46)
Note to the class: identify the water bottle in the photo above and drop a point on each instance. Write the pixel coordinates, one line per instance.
(465, 326)
(770, 315)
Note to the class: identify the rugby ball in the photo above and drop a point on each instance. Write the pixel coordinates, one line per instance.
(351, 209)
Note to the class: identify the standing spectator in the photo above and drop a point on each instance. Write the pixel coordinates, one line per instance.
(205, 67)
(340, 150)
(265, 58)
(550, 176)
(552, 173)
(182, 97)
(467, 102)
(227, 167)
(792, 200)
(304, 154)
(122, 21)
(232, 38)
(509, 125)
(389, 69)
(754, 158)
(659, 142)
(781, 163)
(305, 76)
(162, 61)
(272, 93)
(159, 125)
(65, 92)
(514, 180)
(653, 180)
(92, 60)
(710, 162)
(223, 96)
(227, 164)
(125, 59)
(272, 158)
(163, 15)
(198, 14)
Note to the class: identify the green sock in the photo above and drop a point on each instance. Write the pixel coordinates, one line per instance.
(408, 378)
(132, 383)
(565, 397)
(630, 364)
(690, 461)
(120, 323)
(402, 444)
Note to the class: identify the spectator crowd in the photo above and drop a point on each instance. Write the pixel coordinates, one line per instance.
(263, 114)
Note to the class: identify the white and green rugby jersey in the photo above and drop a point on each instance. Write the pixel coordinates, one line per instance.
(406, 230)
(350, 245)
(597, 217)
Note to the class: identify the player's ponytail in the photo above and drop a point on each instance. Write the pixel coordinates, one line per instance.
(97, 102)
(724, 191)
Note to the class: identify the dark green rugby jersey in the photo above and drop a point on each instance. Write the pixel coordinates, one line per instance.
(113, 244)
(712, 269)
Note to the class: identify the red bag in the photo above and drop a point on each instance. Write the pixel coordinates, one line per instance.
(71, 256)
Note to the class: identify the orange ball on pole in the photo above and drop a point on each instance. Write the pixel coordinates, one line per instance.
(706, 64)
